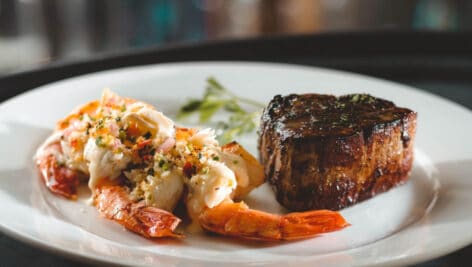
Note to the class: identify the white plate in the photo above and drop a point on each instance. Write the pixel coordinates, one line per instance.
(423, 219)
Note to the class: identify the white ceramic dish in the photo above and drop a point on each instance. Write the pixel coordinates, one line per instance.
(425, 218)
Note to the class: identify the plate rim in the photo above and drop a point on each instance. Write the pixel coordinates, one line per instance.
(241, 62)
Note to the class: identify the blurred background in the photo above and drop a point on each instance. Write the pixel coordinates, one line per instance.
(36, 32)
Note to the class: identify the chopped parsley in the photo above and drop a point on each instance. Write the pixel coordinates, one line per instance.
(122, 135)
(99, 141)
(91, 118)
(190, 147)
(87, 131)
(363, 98)
(355, 98)
(131, 138)
(147, 135)
(100, 124)
(164, 165)
(152, 152)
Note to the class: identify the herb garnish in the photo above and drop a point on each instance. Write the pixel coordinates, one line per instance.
(100, 124)
(147, 135)
(99, 141)
(218, 98)
(122, 135)
(164, 165)
(363, 98)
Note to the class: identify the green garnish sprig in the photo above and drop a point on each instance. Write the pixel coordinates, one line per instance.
(218, 98)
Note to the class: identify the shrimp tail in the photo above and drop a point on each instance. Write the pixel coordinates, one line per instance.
(298, 225)
(112, 201)
(236, 219)
(58, 178)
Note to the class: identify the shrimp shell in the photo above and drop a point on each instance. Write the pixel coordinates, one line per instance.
(236, 219)
(113, 202)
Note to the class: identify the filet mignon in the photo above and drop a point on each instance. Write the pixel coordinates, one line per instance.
(328, 152)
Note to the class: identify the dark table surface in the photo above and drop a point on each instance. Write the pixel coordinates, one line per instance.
(440, 63)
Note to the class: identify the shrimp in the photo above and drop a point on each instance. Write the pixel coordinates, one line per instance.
(59, 159)
(113, 202)
(238, 220)
(249, 173)
(218, 213)
(57, 177)
(99, 142)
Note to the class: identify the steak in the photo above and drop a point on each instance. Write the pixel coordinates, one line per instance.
(328, 152)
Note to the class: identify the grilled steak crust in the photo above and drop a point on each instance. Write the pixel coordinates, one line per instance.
(327, 152)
